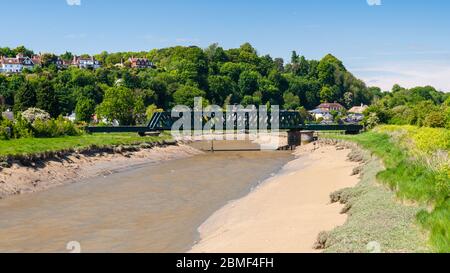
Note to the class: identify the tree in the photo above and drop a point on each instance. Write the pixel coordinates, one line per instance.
(328, 94)
(291, 101)
(23, 50)
(215, 53)
(447, 117)
(232, 70)
(85, 109)
(382, 115)
(46, 98)
(185, 95)
(248, 82)
(435, 119)
(279, 64)
(251, 100)
(326, 71)
(118, 104)
(294, 57)
(279, 80)
(447, 102)
(397, 88)
(68, 56)
(220, 87)
(24, 98)
(6, 93)
(348, 99)
(139, 111)
(303, 67)
(48, 59)
(269, 92)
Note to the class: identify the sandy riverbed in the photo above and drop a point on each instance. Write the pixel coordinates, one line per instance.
(20, 179)
(287, 212)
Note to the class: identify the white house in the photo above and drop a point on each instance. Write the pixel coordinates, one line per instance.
(90, 62)
(15, 65)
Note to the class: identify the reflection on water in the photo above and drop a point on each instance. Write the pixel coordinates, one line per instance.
(154, 208)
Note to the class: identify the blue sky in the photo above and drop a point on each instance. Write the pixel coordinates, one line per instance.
(384, 42)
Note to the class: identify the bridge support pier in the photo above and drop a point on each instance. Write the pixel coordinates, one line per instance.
(307, 137)
(294, 138)
(297, 138)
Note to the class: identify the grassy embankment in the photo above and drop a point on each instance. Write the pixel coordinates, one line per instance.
(30, 146)
(417, 168)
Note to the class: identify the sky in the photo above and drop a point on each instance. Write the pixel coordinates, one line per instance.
(383, 42)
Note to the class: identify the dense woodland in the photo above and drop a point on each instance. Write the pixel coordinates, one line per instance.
(233, 76)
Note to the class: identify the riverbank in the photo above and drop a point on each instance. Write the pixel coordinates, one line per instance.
(327, 200)
(416, 171)
(68, 162)
(287, 212)
(377, 220)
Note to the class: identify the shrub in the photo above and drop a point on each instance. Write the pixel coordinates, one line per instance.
(22, 128)
(435, 119)
(402, 115)
(44, 128)
(66, 127)
(54, 128)
(6, 127)
(84, 109)
(447, 117)
(372, 121)
(32, 114)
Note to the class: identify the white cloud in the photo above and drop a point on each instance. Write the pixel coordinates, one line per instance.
(374, 2)
(73, 2)
(407, 74)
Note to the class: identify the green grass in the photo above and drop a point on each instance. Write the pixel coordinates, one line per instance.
(376, 216)
(29, 146)
(413, 177)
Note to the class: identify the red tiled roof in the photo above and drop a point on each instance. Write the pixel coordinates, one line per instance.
(330, 105)
(18, 60)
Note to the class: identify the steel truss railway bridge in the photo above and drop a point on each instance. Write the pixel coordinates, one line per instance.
(290, 121)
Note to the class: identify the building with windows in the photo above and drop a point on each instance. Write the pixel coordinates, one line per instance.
(328, 107)
(86, 63)
(15, 65)
(140, 63)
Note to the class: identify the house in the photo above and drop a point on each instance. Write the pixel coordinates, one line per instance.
(328, 107)
(356, 114)
(324, 110)
(358, 109)
(15, 65)
(62, 64)
(354, 118)
(318, 113)
(140, 63)
(86, 63)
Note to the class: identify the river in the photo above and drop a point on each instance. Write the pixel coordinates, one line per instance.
(150, 208)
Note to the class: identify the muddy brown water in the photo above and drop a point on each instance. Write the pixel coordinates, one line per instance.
(152, 208)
